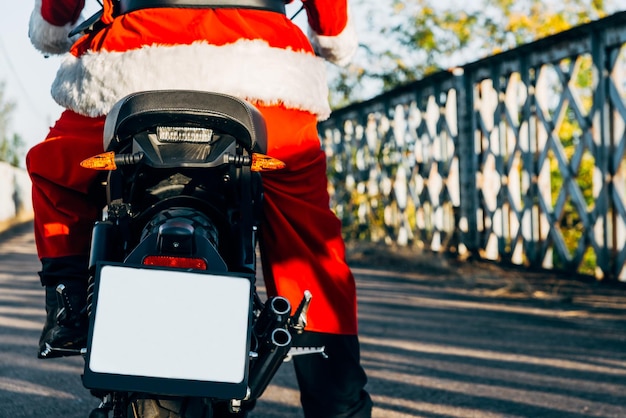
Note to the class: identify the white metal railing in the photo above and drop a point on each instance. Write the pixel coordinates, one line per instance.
(518, 158)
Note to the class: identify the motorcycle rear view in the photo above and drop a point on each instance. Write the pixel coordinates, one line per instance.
(177, 328)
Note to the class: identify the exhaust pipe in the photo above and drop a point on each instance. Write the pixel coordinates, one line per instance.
(271, 356)
(275, 314)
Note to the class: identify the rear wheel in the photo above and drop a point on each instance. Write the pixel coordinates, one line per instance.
(139, 407)
(169, 408)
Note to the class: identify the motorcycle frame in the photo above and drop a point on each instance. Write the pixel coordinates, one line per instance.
(236, 217)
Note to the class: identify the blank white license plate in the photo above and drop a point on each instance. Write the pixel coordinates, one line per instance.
(170, 324)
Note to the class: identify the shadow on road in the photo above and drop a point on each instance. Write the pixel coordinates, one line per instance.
(433, 350)
(439, 339)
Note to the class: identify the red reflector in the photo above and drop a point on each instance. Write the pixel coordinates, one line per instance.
(176, 262)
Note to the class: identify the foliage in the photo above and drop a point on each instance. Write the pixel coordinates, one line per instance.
(12, 150)
(11, 145)
(422, 37)
(572, 139)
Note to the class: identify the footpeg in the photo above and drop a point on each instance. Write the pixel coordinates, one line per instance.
(53, 352)
(303, 351)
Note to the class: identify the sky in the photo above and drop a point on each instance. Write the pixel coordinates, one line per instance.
(28, 75)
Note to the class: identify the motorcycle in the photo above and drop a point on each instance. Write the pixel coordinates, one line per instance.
(177, 327)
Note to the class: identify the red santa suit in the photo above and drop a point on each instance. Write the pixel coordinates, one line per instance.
(257, 55)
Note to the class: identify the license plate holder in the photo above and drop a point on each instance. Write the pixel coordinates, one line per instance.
(169, 331)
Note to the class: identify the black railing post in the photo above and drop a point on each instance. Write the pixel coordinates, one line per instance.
(602, 137)
(468, 163)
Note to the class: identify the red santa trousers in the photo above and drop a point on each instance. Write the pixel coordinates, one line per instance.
(301, 240)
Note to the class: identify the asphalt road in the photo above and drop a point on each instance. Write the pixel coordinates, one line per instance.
(438, 340)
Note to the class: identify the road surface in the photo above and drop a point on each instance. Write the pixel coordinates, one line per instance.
(438, 339)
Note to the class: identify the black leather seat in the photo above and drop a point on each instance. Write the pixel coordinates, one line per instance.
(223, 113)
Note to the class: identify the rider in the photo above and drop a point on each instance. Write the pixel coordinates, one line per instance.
(245, 48)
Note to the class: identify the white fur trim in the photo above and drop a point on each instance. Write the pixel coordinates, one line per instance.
(338, 49)
(250, 70)
(46, 37)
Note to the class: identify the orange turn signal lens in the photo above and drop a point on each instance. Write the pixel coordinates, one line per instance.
(262, 162)
(105, 161)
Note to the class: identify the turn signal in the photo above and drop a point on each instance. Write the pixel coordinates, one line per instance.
(262, 162)
(105, 161)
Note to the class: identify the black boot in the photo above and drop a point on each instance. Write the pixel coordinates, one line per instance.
(52, 309)
(332, 386)
(65, 330)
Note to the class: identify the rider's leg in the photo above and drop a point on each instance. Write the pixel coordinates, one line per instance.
(332, 386)
(302, 249)
(64, 215)
(65, 281)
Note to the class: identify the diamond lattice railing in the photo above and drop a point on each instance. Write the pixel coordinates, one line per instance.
(519, 158)
(616, 218)
(394, 171)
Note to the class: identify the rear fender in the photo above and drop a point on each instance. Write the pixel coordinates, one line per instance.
(180, 232)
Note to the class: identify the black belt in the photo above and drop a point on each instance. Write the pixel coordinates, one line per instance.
(94, 23)
(278, 6)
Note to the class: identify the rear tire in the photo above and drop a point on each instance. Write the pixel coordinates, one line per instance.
(169, 408)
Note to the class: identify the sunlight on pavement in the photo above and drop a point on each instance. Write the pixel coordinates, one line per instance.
(538, 398)
(24, 297)
(27, 360)
(21, 247)
(490, 355)
(22, 311)
(282, 395)
(478, 305)
(28, 388)
(470, 370)
(9, 322)
(429, 409)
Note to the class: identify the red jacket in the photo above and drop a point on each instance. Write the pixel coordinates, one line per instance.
(260, 56)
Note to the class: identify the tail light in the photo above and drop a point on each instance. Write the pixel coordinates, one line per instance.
(175, 262)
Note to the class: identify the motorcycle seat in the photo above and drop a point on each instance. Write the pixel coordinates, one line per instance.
(224, 114)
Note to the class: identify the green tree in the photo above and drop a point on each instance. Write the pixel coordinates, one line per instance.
(422, 37)
(11, 144)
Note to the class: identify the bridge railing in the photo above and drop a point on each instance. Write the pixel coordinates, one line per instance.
(517, 158)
